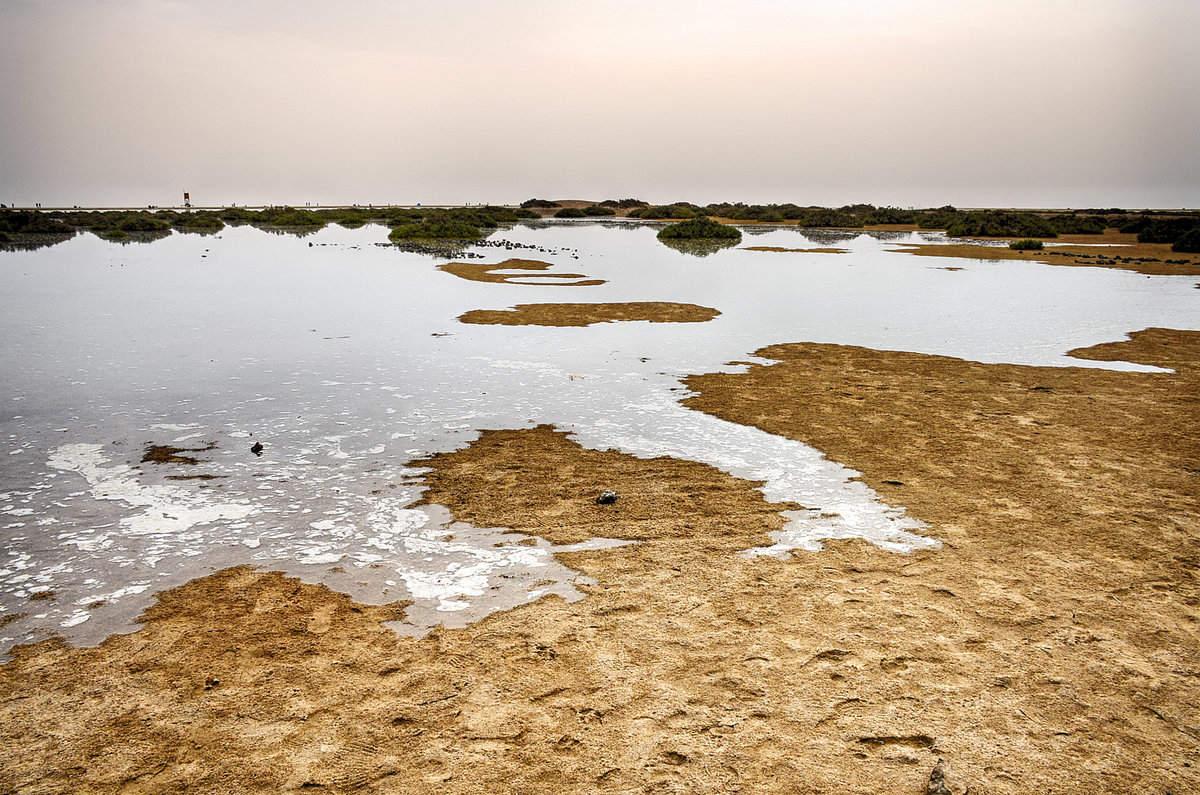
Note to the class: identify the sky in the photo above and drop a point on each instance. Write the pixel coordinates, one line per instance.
(907, 103)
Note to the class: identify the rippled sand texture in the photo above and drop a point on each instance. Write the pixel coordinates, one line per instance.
(1048, 646)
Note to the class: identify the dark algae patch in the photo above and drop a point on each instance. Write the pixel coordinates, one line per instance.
(165, 454)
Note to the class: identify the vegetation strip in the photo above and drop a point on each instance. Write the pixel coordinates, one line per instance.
(1181, 228)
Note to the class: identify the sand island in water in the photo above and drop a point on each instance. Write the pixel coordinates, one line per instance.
(483, 272)
(587, 314)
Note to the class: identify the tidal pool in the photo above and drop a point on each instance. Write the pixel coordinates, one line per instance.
(344, 359)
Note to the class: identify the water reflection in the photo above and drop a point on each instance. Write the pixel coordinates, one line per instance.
(33, 241)
(125, 238)
(699, 248)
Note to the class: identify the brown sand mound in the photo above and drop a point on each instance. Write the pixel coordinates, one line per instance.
(587, 314)
(482, 272)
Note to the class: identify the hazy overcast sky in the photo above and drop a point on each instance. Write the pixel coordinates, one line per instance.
(1062, 103)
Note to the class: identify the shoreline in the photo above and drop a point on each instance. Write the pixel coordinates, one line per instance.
(1044, 647)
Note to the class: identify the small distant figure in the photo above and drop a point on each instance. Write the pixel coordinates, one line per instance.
(257, 448)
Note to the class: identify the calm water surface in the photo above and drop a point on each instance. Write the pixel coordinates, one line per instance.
(344, 359)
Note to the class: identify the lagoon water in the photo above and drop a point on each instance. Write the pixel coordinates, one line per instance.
(345, 360)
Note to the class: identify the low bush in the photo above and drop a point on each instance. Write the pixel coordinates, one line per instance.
(598, 210)
(141, 222)
(999, 223)
(624, 204)
(1026, 245)
(824, 217)
(236, 214)
(544, 204)
(669, 211)
(699, 229)
(31, 222)
(889, 215)
(753, 212)
(570, 212)
(288, 216)
(1166, 230)
(1189, 242)
(200, 221)
(1078, 224)
(448, 229)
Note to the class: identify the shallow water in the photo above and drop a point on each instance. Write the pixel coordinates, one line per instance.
(344, 359)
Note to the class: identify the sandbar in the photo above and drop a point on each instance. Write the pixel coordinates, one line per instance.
(586, 314)
(483, 272)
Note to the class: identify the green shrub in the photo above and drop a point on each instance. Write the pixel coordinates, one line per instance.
(448, 229)
(753, 212)
(570, 212)
(823, 217)
(236, 214)
(598, 210)
(680, 211)
(1078, 224)
(998, 223)
(1026, 245)
(498, 215)
(1189, 242)
(200, 221)
(32, 222)
(141, 222)
(526, 214)
(889, 215)
(623, 204)
(1167, 230)
(539, 203)
(699, 229)
(288, 216)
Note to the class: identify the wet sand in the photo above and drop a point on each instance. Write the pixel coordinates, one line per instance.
(1110, 250)
(1049, 646)
(587, 314)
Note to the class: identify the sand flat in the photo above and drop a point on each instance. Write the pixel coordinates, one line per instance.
(562, 314)
(1050, 645)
